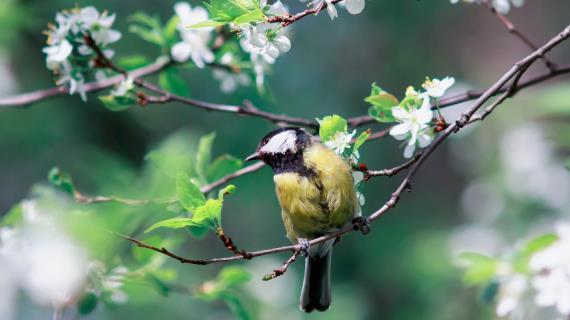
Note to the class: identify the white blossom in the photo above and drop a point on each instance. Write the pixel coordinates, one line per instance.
(510, 293)
(195, 42)
(502, 6)
(230, 81)
(358, 177)
(340, 141)
(267, 40)
(123, 87)
(436, 88)
(414, 126)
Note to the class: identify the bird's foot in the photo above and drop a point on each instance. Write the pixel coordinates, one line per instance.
(304, 246)
(362, 223)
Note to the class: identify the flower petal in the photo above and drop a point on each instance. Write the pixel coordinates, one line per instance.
(354, 6)
(400, 129)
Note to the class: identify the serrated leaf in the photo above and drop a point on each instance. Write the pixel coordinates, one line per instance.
(117, 104)
(480, 268)
(61, 180)
(173, 223)
(204, 155)
(330, 125)
(222, 166)
(133, 62)
(188, 193)
(87, 303)
(171, 81)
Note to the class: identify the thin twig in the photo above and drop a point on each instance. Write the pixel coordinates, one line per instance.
(283, 269)
(517, 33)
(288, 19)
(519, 67)
(392, 171)
(249, 169)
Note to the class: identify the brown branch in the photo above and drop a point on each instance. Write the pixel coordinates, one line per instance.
(517, 33)
(249, 169)
(230, 245)
(519, 67)
(283, 269)
(392, 171)
(288, 19)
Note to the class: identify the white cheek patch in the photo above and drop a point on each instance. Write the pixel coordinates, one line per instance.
(281, 142)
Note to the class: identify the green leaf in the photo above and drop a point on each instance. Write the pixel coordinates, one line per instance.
(198, 231)
(87, 303)
(540, 243)
(116, 104)
(171, 81)
(204, 155)
(222, 166)
(148, 28)
(250, 17)
(330, 125)
(382, 103)
(480, 269)
(61, 180)
(170, 30)
(161, 287)
(207, 24)
(14, 216)
(133, 62)
(233, 276)
(225, 191)
(188, 193)
(209, 214)
(173, 223)
(360, 140)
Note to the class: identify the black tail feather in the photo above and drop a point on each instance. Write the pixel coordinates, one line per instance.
(316, 292)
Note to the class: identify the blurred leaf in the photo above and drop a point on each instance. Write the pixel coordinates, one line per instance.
(198, 231)
(330, 125)
(173, 223)
(115, 103)
(233, 275)
(148, 28)
(170, 30)
(161, 287)
(204, 155)
(360, 140)
(61, 180)
(133, 62)
(144, 256)
(480, 269)
(236, 306)
(540, 243)
(87, 303)
(14, 216)
(567, 163)
(188, 193)
(207, 24)
(222, 166)
(382, 103)
(171, 81)
(490, 292)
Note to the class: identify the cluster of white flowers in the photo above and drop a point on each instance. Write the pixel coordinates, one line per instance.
(265, 39)
(68, 55)
(340, 141)
(551, 268)
(109, 282)
(415, 122)
(352, 6)
(195, 41)
(502, 6)
(229, 80)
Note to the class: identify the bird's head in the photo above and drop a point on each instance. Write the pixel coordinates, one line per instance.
(282, 149)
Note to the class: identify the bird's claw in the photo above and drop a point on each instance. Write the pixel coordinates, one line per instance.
(362, 223)
(304, 246)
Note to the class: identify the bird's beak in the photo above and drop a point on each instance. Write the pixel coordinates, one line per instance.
(254, 156)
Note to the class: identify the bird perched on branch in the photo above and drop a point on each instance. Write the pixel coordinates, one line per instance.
(316, 192)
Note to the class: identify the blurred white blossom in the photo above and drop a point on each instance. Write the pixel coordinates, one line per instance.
(123, 87)
(195, 42)
(414, 126)
(340, 141)
(510, 293)
(502, 6)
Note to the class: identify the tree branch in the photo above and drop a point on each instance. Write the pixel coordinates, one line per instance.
(464, 120)
(287, 20)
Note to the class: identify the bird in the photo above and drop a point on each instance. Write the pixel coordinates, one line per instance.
(315, 189)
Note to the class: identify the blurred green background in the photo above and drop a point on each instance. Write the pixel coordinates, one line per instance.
(468, 195)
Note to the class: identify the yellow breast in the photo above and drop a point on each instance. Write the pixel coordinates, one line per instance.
(318, 203)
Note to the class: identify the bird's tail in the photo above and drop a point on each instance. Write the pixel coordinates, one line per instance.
(316, 292)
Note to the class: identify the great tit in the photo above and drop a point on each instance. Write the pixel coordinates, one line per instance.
(315, 189)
